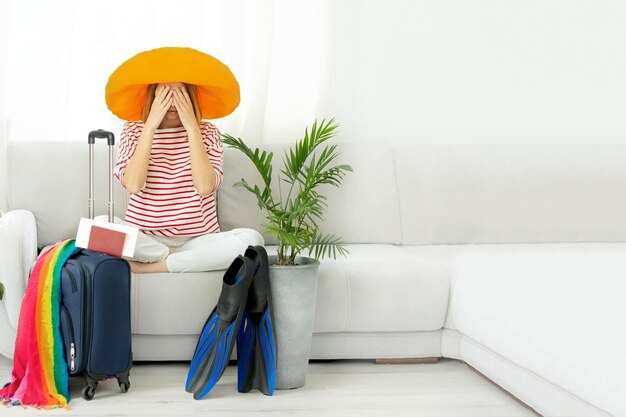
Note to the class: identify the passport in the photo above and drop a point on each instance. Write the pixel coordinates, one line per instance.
(106, 241)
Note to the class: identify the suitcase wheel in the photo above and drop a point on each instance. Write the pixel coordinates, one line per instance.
(123, 380)
(88, 392)
(124, 386)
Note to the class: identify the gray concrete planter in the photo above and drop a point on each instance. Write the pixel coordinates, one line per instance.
(294, 291)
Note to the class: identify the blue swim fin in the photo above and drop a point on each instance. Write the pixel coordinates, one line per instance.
(256, 340)
(217, 339)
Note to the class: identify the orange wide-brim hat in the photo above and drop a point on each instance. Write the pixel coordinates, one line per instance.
(217, 88)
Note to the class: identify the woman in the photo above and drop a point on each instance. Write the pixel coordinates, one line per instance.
(170, 159)
(171, 163)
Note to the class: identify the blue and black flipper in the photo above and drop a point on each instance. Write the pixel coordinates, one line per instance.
(217, 339)
(256, 340)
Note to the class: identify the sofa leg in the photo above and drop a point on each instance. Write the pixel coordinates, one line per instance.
(406, 361)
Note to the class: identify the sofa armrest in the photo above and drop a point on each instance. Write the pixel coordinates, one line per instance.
(18, 251)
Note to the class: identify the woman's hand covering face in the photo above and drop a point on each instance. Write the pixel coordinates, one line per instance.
(163, 100)
(185, 108)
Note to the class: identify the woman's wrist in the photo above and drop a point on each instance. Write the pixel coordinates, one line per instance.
(149, 129)
(194, 134)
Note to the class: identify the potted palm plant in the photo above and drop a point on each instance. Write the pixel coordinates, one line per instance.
(294, 223)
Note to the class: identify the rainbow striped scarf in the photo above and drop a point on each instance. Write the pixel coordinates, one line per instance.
(39, 377)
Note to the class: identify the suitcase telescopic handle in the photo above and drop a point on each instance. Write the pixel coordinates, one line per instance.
(110, 137)
(101, 134)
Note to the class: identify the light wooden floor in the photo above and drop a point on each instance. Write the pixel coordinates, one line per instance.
(333, 388)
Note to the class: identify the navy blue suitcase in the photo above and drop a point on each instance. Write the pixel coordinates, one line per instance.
(95, 318)
(95, 307)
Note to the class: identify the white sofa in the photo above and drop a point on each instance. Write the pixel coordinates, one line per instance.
(509, 257)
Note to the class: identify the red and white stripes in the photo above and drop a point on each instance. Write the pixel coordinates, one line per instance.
(169, 204)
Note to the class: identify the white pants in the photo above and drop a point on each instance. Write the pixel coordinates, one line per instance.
(208, 252)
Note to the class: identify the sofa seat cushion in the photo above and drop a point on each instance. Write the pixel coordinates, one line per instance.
(173, 303)
(379, 288)
(554, 309)
(376, 288)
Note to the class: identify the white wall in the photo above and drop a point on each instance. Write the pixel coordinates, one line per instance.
(482, 70)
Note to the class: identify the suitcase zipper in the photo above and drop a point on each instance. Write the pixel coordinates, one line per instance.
(86, 316)
(72, 357)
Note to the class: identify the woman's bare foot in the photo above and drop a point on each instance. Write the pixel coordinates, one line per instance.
(146, 268)
(135, 266)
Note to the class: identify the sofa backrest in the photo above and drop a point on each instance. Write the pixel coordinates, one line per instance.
(364, 209)
(51, 180)
(397, 194)
(490, 193)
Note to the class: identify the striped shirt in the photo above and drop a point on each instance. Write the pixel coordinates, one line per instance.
(169, 203)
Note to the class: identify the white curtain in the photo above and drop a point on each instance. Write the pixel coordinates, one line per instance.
(61, 53)
(401, 70)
